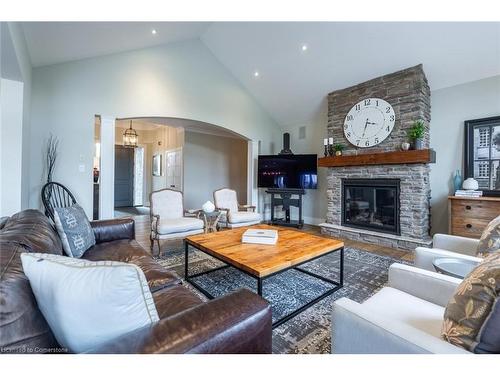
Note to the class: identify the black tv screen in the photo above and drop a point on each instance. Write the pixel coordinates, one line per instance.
(288, 171)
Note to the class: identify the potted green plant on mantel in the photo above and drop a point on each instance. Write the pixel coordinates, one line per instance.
(416, 134)
(338, 149)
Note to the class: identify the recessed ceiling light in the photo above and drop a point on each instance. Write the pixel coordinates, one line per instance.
(304, 47)
(256, 74)
(153, 31)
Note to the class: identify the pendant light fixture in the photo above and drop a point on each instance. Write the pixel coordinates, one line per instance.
(130, 137)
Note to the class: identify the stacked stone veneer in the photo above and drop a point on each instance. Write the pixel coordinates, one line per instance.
(409, 94)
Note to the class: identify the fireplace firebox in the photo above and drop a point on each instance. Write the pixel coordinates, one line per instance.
(371, 204)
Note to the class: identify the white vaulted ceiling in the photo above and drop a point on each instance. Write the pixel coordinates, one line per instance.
(292, 83)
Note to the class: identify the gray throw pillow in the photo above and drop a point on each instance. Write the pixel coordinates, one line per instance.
(74, 229)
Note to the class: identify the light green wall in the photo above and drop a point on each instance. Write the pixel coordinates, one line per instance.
(450, 107)
(210, 163)
(181, 80)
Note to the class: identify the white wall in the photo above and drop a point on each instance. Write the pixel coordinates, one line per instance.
(24, 65)
(11, 137)
(210, 163)
(450, 107)
(181, 80)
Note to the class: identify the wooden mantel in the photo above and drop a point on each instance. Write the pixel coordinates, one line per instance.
(393, 157)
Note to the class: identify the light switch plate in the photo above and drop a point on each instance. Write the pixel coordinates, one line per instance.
(81, 168)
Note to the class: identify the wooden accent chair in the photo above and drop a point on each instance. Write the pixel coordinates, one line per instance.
(234, 214)
(169, 220)
(56, 195)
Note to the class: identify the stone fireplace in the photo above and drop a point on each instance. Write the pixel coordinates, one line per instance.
(386, 204)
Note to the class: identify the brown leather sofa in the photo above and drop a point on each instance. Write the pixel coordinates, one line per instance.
(239, 322)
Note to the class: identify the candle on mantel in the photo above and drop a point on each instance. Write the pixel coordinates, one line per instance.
(330, 141)
(325, 141)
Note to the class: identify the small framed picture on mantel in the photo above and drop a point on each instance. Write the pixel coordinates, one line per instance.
(482, 154)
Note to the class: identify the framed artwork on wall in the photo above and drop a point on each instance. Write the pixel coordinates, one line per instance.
(482, 154)
(157, 165)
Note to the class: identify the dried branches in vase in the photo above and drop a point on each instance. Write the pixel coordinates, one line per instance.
(51, 156)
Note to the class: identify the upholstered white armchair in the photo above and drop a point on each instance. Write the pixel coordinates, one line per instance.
(169, 220)
(404, 317)
(446, 246)
(234, 215)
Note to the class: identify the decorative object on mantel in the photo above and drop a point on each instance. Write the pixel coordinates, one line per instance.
(130, 137)
(470, 184)
(405, 146)
(417, 134)
(330, 146)
(325, 144)
(339, 147)
(457, 180)
(208, 207)
(425, 156)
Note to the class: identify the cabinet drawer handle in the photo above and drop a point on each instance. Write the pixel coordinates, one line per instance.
(468, 207)
(469, 226)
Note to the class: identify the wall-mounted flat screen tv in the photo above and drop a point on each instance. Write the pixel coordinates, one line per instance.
(288, 171)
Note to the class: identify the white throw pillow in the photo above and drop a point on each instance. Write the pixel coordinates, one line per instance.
(88, 303)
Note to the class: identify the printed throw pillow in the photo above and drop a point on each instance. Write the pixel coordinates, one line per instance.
(472, 316)
(74, 229)
(490, 239)
(89, 303)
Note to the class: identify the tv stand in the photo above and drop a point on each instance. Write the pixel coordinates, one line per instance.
(283, 197)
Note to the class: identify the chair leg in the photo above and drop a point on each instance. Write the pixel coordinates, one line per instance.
(159, 248)
(152, 245)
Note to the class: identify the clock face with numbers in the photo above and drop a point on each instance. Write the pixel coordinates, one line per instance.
(369, 122)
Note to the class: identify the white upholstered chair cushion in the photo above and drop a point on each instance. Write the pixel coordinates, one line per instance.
(178, 225)
(405, 308)
(226, 198)
(167, 204)
(235, 217)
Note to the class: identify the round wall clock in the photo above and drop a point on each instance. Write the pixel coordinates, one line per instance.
(369, 122)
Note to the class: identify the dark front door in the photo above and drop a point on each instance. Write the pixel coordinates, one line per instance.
(124, 176)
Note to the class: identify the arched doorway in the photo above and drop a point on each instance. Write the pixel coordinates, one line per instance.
(192, 156)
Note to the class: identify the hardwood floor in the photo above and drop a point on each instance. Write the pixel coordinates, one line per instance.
(143, 228)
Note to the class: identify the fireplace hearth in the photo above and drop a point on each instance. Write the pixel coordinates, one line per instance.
(371, 204)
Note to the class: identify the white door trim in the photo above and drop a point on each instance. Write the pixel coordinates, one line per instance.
(107, 172)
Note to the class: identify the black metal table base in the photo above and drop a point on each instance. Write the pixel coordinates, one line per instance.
(336, 284)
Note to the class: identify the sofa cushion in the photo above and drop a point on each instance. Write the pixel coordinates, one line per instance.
(74, 230)
(170, 301)
(32, 230)
(405, 308)
(490, 239)
(130, 251)
(89, 303)
(181, 224)
(23, 329)
(472, 317)
(243, 217)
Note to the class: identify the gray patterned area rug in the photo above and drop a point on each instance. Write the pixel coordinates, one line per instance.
(308, 332)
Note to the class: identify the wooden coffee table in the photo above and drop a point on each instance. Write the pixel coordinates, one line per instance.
(293, 249)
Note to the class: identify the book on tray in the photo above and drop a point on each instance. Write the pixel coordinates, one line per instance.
(260, 236)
